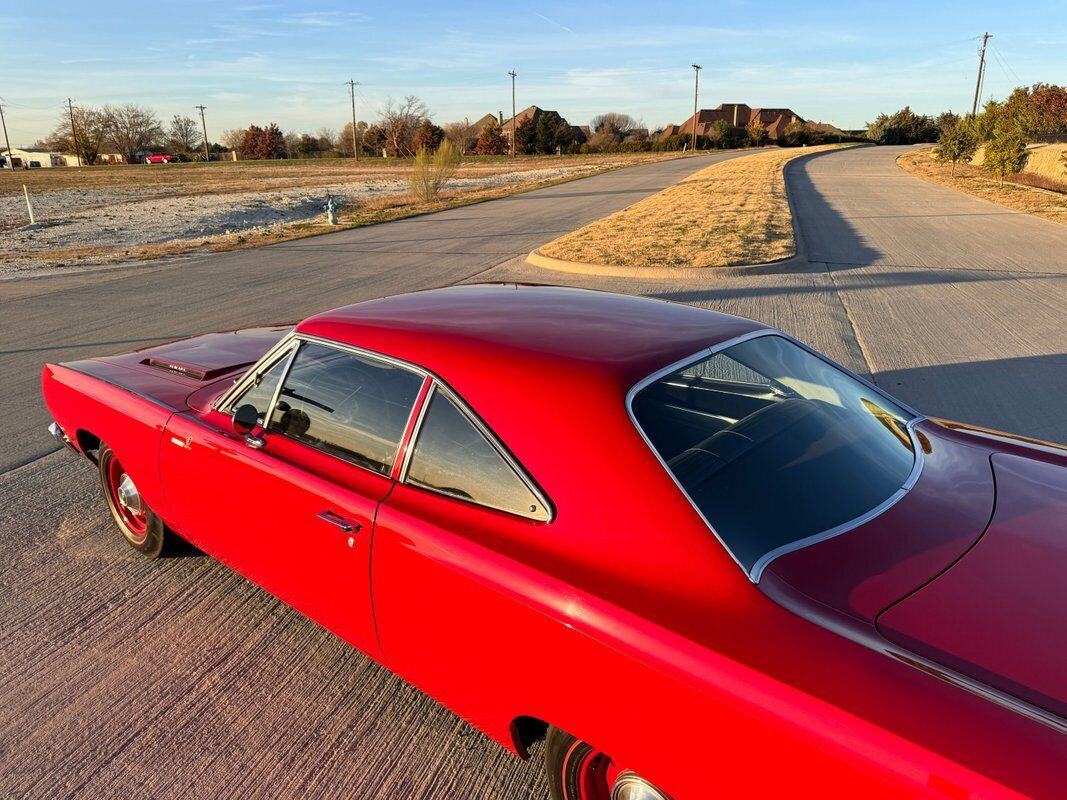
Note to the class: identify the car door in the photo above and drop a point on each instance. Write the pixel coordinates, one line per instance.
(293, 507)
(448, 555)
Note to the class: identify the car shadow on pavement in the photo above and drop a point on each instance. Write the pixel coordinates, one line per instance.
(1017, 395)
(880, 280)
(823, 234)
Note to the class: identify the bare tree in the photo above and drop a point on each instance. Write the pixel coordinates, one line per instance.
(92, 131)
(183, 136)
(132, 129)
(327, 139)
(232, 138)
(399, 121)
(614, 124)
(461, 135)
(292, 142)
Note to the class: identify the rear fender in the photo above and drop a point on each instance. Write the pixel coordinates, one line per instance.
(132, 426)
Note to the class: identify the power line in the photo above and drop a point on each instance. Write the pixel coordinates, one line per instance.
(696, 94)
(352, 91)
(74, 132)
(203, 125)
(1004, 65)
(981, 73)
(512, 74)
(10, 155)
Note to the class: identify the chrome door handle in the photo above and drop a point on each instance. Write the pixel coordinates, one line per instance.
(345, 526)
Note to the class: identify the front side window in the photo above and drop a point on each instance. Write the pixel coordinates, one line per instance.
(347, 405)
(774, 445)
(453, 457)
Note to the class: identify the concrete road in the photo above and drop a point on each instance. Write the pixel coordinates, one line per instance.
(177, 678)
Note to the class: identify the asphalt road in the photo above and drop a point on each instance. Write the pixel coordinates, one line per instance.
(178, 678)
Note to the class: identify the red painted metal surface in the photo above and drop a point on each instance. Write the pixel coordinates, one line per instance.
(770, 689)
(999, 614)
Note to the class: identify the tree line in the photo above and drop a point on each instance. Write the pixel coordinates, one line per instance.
(1003, 128)
(129, 130)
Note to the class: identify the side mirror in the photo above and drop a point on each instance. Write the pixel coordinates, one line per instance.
(245, 419)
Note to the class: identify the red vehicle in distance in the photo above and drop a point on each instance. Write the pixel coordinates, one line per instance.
(160, 158)
(691, 554)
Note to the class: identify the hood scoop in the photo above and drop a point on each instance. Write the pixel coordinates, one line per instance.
(195, 372)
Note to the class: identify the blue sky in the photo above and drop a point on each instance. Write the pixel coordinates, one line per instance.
(286, 62)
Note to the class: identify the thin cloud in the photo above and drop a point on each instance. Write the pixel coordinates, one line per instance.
(553, 22)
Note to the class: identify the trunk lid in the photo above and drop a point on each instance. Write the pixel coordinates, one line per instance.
(999, 613)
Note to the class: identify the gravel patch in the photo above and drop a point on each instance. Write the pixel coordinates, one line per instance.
(92, 226)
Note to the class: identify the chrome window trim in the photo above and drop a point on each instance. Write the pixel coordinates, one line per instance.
(761, 564)
(359, 352)
(294, 339)
(494, 442)
(268, 360)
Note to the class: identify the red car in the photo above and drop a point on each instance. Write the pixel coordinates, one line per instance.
(700, 558)
(159, 158)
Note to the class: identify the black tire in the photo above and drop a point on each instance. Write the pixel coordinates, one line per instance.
(154, 540)
(564, 756)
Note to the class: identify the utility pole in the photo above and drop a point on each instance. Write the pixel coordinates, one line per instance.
(512, 74)
(203, 125)
(981, 73)
(74, 132)
(352, 91)
(10, 155)
(696, 94)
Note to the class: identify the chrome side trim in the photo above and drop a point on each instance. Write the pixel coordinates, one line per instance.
(266, 362)
(845, 527)
(760, 565)
(402, 476)
(281, 382)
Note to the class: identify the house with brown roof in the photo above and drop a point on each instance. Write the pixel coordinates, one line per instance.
(534, 114)
(739, 115)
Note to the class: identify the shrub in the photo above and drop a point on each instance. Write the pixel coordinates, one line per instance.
(1006, 154)
(957, 143)
(795, 134)
(902, 127)
(432, 170)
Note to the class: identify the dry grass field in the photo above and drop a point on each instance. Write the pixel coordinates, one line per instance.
(734, 212)
(976, 181)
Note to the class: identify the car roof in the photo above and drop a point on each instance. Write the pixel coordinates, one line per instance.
(467, 330)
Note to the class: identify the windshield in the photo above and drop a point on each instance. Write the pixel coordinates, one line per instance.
(775, 446)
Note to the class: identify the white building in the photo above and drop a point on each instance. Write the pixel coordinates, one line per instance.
(29, 157)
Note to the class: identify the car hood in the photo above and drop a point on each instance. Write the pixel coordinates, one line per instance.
(999, 614)
(172, 372)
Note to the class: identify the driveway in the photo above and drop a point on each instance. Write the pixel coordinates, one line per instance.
(177, 678)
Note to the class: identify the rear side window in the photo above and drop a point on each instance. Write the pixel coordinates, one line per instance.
(776, 447)
(452, 456)
(347, 405)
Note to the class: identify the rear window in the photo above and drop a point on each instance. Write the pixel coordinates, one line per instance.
(775, 446)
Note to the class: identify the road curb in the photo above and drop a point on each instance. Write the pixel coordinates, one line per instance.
(539, 259)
